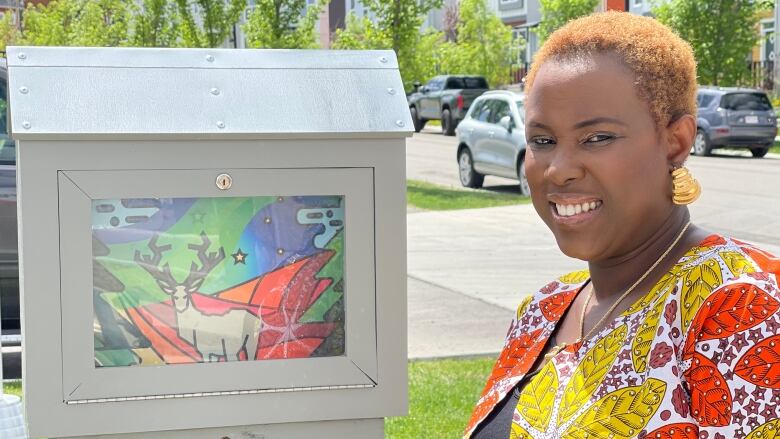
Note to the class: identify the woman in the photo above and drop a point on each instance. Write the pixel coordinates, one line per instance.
(673, 332)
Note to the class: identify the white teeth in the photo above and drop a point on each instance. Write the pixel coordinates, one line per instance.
(576, 209)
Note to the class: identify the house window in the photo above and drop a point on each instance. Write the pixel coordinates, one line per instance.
(768, 39)
(519, 4)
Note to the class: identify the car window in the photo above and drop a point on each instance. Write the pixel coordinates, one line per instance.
(7, 147)
(476, 107)
(745, 101)
(703, 100)
(485, 111)
(499, 110)
(474, 83)
(455, 83)
(521, 110)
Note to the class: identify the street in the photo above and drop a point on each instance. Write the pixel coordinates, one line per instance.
(481, 262)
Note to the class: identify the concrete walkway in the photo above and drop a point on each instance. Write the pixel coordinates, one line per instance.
(468, 270)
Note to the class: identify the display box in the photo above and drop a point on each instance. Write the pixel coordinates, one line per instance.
(212, 242)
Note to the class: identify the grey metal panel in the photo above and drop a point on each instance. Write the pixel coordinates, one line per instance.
(46, 413)
(353, 428)
(134, 57)
(82, 381)
(511, 5)
(62, 102)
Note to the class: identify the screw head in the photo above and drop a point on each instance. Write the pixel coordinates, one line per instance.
(383, 59)
(220, 124)
(26, 125)
(24, 90)
(400, 123)
(22, 55)
(215, 91)
(391, 91)
(210, 58)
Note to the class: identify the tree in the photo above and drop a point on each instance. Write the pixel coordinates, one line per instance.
(76, 23)
(556, 13)
(155, 24)
(721, 32)
(397, 27)
(214, 24)
(484, 44)
(283, 24)
(9, 31)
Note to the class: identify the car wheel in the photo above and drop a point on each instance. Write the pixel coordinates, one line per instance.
(701, 145)
(525, 189)
(447, 126)
(759, 152)
(468, 176)
(418, 124)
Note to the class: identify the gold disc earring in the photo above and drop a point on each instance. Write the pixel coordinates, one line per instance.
(686, 189)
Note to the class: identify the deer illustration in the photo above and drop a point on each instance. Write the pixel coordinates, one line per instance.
(214, 336)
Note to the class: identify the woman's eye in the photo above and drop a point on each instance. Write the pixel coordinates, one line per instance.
(541, 142)
(598, 138)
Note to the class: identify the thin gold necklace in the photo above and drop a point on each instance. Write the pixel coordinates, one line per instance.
(558, 348)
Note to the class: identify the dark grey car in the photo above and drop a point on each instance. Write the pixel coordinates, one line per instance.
(734, 117)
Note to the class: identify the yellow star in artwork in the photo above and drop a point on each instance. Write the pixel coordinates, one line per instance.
(239, 257)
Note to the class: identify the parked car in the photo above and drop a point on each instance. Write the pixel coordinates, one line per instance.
(734, 117)
(445, 98)
(9, 256)
(491, 140)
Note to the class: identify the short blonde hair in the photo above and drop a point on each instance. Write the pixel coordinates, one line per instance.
(663, 62)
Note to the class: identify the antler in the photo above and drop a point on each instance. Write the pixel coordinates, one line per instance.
(208, 261)
(151, 264)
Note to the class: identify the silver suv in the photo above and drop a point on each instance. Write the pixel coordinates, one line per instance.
(734, 117)
(491, 140)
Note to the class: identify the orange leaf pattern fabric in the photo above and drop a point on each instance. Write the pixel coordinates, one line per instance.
(697, 356)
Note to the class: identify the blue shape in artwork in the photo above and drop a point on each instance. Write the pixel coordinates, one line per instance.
(137, 219)
(274, 236)
(331, 218)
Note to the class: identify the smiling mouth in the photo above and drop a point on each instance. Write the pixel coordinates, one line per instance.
(571, 213)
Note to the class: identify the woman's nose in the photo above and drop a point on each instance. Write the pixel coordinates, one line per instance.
(564, 166)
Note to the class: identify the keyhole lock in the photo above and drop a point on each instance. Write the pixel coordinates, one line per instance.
(224, 181)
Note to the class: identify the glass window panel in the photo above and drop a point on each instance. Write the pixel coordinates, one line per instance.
(190, 280)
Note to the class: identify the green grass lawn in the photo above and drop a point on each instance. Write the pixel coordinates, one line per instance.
(13, 388)
(442, 394)
(775, 149)
(433, 197)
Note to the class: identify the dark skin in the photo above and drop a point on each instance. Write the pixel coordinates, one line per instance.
(591, 138)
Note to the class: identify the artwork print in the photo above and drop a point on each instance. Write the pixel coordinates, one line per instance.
(195, 280)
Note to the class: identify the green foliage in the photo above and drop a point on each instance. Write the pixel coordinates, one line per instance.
(397, 27)
(9, 33)
(483, 46)
(442, 394)
(722, 33)
(155, 24)
(216, 21)
(282, 24)
(77, 23)
(556, 13)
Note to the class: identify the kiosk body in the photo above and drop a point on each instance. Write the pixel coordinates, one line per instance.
(212, 242)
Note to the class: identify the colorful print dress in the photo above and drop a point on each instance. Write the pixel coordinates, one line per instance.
(697, 357)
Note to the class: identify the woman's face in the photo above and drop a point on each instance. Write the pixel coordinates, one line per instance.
(598, 173)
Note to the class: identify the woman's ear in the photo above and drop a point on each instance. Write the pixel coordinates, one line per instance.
(679, 135)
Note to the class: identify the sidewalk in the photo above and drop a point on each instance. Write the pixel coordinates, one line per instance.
(468, 270)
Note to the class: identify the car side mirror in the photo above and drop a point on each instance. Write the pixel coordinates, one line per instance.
(424, 89)
(506, 122)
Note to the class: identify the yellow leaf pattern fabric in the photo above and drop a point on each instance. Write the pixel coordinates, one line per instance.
(620, 414)
(575, 277)
(697, 356)
(536, 400)
(770, 430)
(737, 263)
(590, 373)
(519, 432)
(640, 347)
(697, 285)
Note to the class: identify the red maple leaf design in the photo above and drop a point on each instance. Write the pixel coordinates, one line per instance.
(761, 364)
